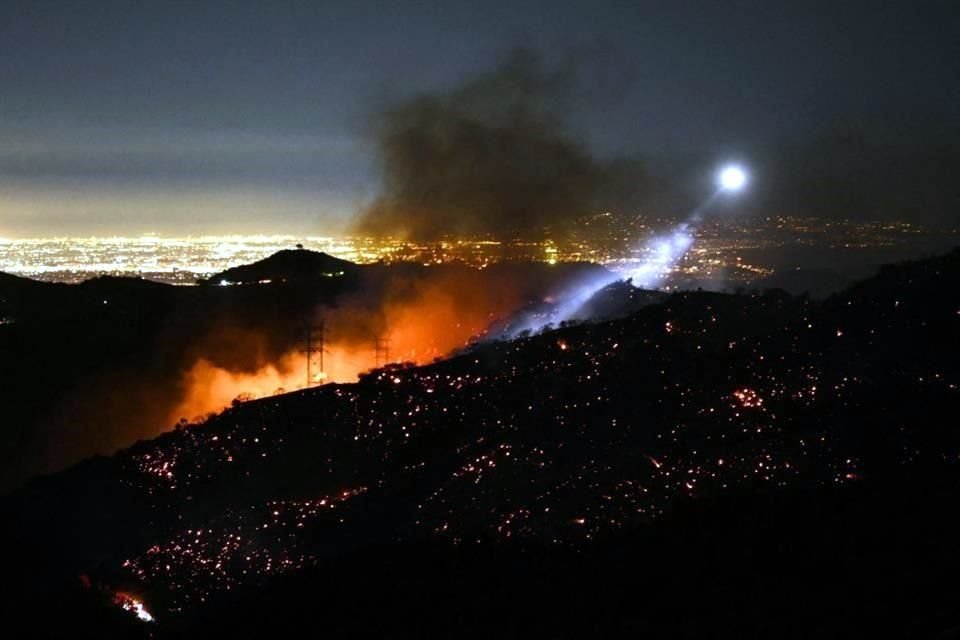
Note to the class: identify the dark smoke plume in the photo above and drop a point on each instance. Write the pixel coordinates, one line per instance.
(491, 157)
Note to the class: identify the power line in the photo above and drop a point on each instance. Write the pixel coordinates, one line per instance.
(382, 350)
(315, 340)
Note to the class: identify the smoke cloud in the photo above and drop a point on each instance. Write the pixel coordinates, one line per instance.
(492, 157)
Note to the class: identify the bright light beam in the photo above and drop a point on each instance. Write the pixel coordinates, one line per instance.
(663, 252)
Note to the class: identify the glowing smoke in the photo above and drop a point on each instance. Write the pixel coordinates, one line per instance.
(662, 253)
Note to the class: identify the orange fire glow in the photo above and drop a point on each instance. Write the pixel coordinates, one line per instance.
(134, 605)
(440, 315)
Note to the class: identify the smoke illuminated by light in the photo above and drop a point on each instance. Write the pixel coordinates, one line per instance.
(665, 251)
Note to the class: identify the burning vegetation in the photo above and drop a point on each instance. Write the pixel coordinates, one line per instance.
(395, 315)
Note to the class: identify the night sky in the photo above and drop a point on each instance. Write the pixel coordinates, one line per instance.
(186, 117)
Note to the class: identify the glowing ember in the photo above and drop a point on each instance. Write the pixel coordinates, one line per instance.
(748, 398)
(134, 605)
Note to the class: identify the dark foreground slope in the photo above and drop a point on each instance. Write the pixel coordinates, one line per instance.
(740, 466)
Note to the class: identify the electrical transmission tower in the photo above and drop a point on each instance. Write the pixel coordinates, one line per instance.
(382, 352)
(315, 337)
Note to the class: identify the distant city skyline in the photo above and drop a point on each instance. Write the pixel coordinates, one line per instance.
(725, 253)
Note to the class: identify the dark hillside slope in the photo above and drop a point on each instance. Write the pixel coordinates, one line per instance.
(711, 465)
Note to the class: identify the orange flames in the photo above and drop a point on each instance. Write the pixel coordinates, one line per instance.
(134, 605)
(428, 319)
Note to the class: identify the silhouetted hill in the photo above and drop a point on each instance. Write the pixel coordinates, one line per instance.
(7, 279)
(928, 281)
(115, 284)
(710, 465)
(618, 300)
(286, 266)
(18, 293)
(12, 287)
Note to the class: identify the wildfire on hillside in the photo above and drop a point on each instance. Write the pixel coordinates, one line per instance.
(415, 322)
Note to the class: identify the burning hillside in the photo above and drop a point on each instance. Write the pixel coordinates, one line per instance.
(138, 356)
(397, 314)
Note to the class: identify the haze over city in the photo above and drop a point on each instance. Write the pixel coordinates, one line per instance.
(251, 117)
